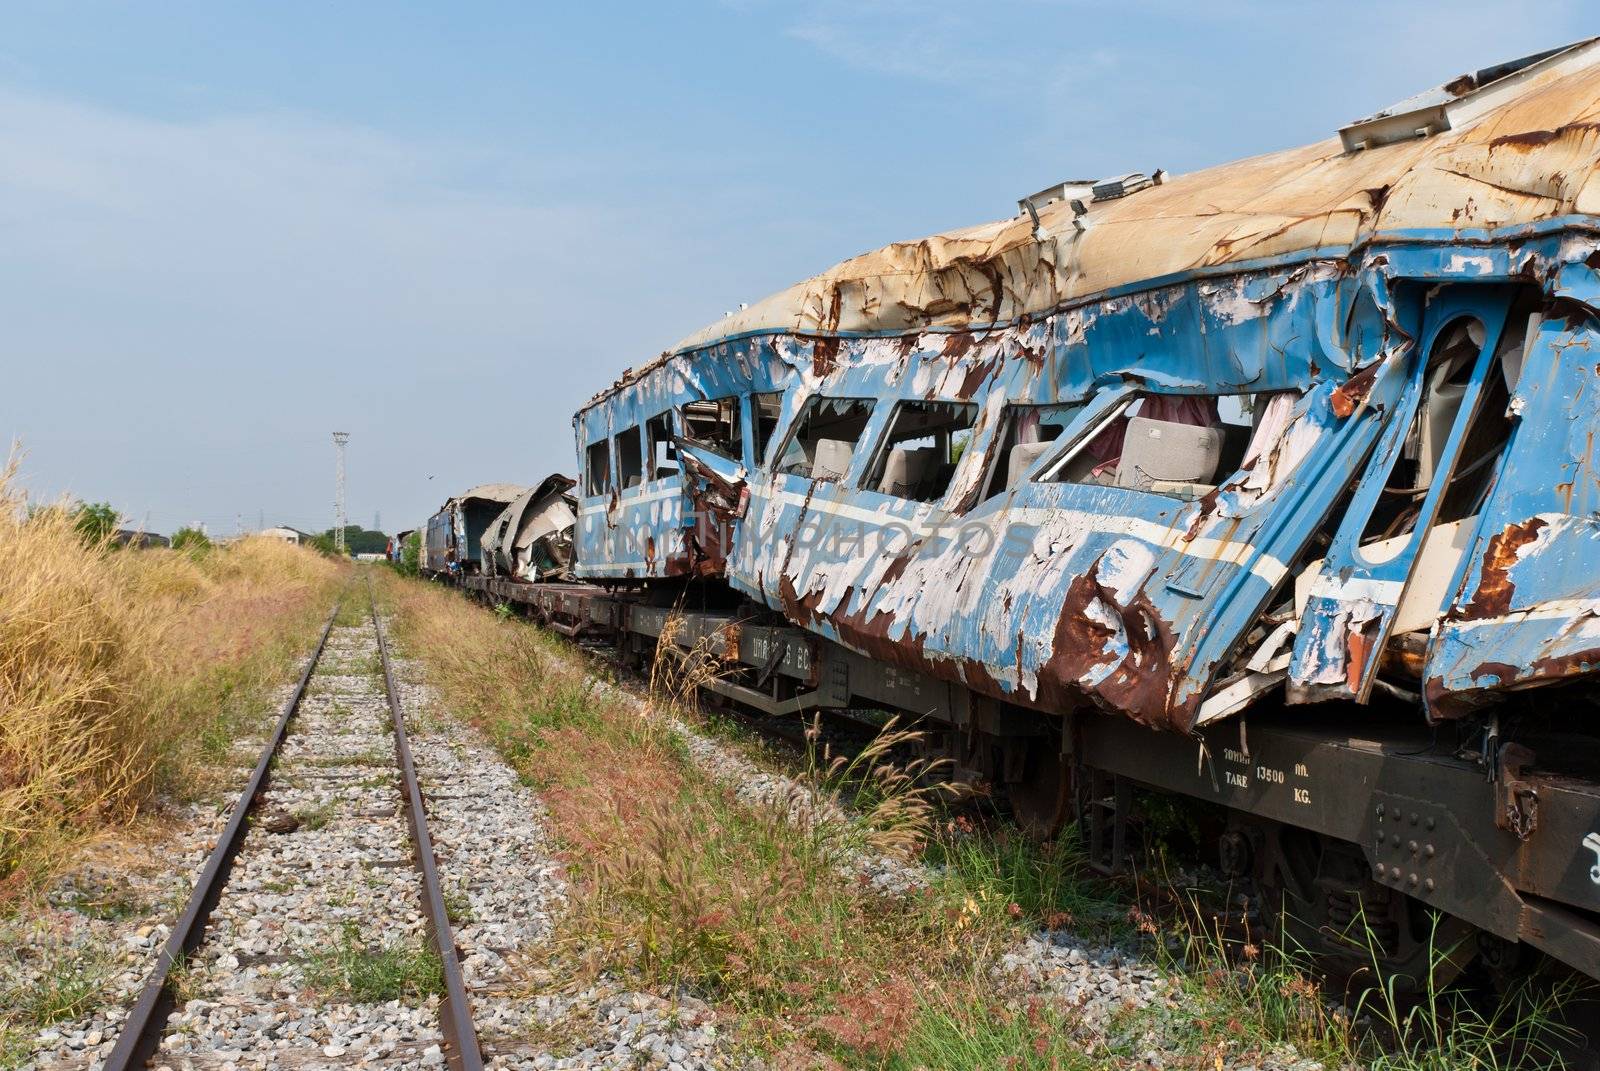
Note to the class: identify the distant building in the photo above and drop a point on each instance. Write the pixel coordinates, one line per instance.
(127, 537)
(285, 533)
(371, 557)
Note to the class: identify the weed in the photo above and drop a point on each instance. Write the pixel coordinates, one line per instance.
(351, 969)
(315, 817)
(458, 906)
(68, 989)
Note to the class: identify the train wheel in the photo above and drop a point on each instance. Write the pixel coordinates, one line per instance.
(1318, 897)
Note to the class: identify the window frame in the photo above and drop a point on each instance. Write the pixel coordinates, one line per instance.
(758, 449)
(637, 430)
(666, 419)
(1008, 413)
(880, 454)
(771, 466)
(738, 403)
(588, 468)
(1116, 405)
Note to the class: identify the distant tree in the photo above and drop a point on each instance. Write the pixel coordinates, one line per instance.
(95, 522)
(322, 543)
(192, 539)
(358, 540)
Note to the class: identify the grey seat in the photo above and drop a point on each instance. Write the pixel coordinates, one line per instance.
(1167, 452)
(1023, 455)
(833, 459)
(906, 469)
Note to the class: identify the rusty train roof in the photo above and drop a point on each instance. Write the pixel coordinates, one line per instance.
(1528, 155)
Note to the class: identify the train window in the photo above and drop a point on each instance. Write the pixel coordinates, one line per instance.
(919, 455)
(597, 468)
(715, 424)
(1169, 444)
(1026, 432)
(825, 438)
(764, 412)
(630, 458)
(663, 452)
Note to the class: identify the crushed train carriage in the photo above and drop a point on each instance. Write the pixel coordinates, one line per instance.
(1321, 419)
(1271, 485)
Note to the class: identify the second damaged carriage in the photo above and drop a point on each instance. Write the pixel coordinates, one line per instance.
(1309, 436)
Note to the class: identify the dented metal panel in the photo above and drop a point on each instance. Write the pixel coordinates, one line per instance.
(1311, 281)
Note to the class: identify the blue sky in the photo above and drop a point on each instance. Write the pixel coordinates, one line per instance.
(227, 229)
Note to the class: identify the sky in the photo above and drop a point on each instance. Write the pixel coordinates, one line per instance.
(229, 229)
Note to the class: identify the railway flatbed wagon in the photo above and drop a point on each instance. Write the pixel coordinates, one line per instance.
(1272, 485)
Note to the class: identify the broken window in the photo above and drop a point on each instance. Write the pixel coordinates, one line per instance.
(1026, 434)
(663, 452)
(715, 424)
(597, 468)
(630, 458)
(1415, 472)
(918, 456)
(764, 412)
(1178, 445)
(825, 438)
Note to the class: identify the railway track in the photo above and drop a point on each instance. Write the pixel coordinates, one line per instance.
(266, 906)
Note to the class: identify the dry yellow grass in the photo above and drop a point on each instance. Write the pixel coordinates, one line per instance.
(122, 671)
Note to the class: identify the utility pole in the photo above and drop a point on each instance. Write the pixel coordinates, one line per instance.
(339, 439)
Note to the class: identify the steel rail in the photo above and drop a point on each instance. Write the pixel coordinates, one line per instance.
(455, 1013)
(141, 1033)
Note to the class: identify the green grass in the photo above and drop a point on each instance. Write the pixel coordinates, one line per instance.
(315, 817)
(354, 970)
(1047, 883)
(1036, 1037)
(69, 989)
(14, 1048)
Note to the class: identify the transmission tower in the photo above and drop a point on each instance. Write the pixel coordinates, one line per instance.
(339, 439)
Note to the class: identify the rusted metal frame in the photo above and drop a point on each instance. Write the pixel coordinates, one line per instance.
(141, 1032)
(455, 1011)
(1424, 819)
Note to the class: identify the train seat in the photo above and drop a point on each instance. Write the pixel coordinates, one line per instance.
(907, 468)
(832, 459)
(1168, 452)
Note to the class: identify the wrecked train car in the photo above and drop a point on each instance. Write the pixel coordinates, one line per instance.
(531, 539)
(1312, 424)
(452, 540)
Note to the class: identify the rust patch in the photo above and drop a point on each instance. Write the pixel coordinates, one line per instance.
(1495, 590)
(1348, 396)
(824, 355)
(1142, 683)
(957, 344)
(1526, 140)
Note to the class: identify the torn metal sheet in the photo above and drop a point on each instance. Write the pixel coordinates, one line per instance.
(531, 539)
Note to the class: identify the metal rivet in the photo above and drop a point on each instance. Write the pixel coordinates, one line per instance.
(1428, 885)
(1395, 840)
(1412, 881)
(1413, 847)
(1394, 872)
(1377, 871)
(1428, 850)
(1380, 812)
(1429, 823)
(1413, 817)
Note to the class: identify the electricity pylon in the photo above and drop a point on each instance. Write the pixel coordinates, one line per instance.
(339, 439)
